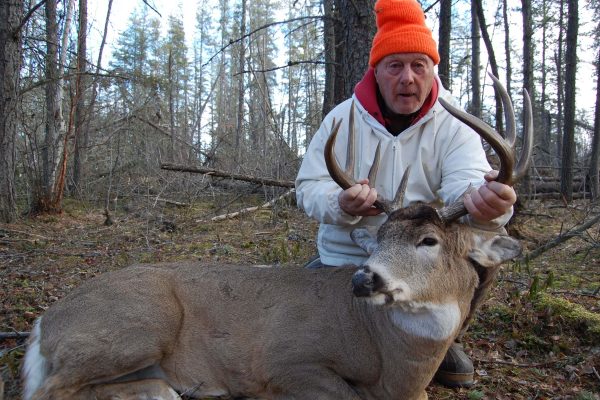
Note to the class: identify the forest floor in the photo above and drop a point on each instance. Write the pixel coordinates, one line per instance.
(537, 336)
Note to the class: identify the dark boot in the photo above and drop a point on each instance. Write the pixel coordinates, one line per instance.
(456, 369)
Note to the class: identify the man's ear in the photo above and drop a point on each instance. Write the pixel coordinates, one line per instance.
(493, 250)
(365, 239)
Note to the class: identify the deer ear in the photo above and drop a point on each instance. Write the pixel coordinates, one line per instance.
(365, 239)
(494, 250)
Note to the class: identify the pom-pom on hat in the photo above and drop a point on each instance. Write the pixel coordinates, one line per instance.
(401, 29)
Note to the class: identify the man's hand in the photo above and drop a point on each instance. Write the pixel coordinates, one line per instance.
(491, 200)
(358, 200)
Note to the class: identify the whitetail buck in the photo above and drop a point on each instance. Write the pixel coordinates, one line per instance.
(378, 332)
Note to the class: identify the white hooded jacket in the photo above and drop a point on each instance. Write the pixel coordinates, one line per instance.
(444, 154)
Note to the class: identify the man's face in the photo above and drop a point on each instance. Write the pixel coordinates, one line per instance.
(405, 80)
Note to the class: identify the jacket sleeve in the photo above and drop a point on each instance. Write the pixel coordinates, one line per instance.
(465, 163)
(316, 193)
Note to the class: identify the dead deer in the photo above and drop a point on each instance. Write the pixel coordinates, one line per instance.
(373, 332)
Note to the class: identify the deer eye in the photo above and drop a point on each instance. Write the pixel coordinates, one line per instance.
(428, 241)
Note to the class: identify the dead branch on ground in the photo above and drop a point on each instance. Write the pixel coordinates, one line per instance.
(226, 174)
(571, 233)
(252, 209)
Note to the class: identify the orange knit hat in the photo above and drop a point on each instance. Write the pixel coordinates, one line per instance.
(401, 29)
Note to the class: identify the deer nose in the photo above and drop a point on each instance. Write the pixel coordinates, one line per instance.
(365, 282)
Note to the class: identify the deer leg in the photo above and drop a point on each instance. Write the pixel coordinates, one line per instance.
(314, 383)
(155, 389)
(146, 389)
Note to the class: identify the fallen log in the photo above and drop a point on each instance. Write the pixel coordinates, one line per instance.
(268, 204)
(226, 174)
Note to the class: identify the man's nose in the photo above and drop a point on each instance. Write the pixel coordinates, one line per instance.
(406, 76)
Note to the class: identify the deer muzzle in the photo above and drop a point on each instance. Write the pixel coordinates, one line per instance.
(365, 283)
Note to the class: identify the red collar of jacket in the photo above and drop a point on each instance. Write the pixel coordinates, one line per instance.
(366, 93)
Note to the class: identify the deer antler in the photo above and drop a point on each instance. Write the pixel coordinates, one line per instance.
(508, 174)
(511, 170)
(345, 178)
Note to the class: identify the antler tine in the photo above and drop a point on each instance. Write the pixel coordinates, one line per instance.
(399, 198)
(340, 177)
(509, 111)
(375, 166)
(345, 179)
(504, 148)
(351, 143)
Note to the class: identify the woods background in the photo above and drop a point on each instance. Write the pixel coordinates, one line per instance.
(246, 93)
(144, 149)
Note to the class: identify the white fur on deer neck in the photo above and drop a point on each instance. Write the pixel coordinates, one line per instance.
(427, 320)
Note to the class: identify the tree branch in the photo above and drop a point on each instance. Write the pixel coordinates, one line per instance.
(233, 41)
(15, 34)
(225, 174)
(251, 209)
(575, 231)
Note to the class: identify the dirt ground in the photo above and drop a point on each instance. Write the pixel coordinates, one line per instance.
(537, 337)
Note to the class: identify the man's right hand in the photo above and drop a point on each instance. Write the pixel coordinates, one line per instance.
(358, 200)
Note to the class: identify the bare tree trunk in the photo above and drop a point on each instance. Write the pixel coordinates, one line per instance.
(568, 158)
(560, 84)
(10, 65)
(358, 29)
(444, 42)
(171, 104)
(544, 133)
(80, 117)
(492, 57)
(475, 105)
(330, 56)
(507, 50)
(239, 132)
(48, 195)
(595, 158)
(528, 62)
(43, 197)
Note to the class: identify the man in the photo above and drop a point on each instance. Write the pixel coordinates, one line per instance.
(395, 104)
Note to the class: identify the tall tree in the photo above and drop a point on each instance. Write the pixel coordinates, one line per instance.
(175, 84)
(475, 105)
(239, 128)
(10, 65)
(507, 49)
(560, 91)
(81, 137)
(544, 134)
(568, 157)
(477, 4)
(444, 42)
(357, 27)
(595, 157)
(330, 26)
(528, 52)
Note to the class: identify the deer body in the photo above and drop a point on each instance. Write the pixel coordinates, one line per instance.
(274, 333)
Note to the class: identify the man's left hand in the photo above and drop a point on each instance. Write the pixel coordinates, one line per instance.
(491, 200)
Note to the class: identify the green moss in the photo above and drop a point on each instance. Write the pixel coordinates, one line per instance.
(475, 395)
(585, 395)
(571, 312)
